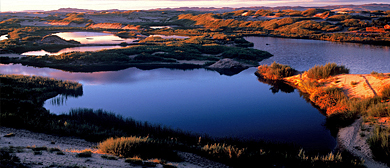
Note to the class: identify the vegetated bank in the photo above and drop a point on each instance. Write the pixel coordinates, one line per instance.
(22, 108)
(154, 52)
(343, 98)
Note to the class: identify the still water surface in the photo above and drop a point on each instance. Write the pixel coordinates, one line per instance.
(303, 54)
(203, 101)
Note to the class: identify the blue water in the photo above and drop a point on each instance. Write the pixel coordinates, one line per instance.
(199, 101)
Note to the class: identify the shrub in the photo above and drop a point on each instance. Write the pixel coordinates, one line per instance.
(323, 72)
(275, 71)
(385, 92)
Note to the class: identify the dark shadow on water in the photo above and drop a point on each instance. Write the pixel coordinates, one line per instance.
(277, 85)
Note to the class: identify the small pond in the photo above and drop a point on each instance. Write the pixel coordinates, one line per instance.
(94, 37)
(72, 49)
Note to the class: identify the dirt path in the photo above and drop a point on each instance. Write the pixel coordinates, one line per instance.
(350, 139)
(70, 146)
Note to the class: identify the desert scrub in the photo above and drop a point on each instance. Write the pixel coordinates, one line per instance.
(323, 72)
(143, 147)
(379, 143)
(275, 71)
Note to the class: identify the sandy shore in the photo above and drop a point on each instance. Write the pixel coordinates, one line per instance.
(24, 139)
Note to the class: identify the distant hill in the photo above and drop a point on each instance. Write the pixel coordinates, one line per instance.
(365, 7)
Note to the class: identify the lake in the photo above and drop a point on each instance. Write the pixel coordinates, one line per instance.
(204, 101)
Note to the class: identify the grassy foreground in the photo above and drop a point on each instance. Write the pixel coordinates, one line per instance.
(320, 83)
(126, 137)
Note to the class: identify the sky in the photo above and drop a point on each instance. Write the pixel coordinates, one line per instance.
(20, 5)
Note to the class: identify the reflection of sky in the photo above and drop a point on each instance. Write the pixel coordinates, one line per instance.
(93, 37)
(72, 49)
(3, 37)
(168, 37)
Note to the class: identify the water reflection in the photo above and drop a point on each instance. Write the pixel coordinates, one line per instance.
(72, 49)
(169, 37)
(94, 37)
(129, 75)
(277, 85)
(3, 37)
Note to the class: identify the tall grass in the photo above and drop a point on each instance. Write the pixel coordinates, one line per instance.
(379, 144)
(143, 147)
(323, 72)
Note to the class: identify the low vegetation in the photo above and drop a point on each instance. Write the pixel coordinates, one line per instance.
(323, 72)
(275, 71)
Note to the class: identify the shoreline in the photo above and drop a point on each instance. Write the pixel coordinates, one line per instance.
(24, 140)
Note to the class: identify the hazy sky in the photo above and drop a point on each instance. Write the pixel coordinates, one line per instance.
(19, 5)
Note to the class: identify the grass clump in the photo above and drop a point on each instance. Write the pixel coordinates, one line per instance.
(275, 71)
(223, 151)
(143, 147)
(323, 72)
(85, 153)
